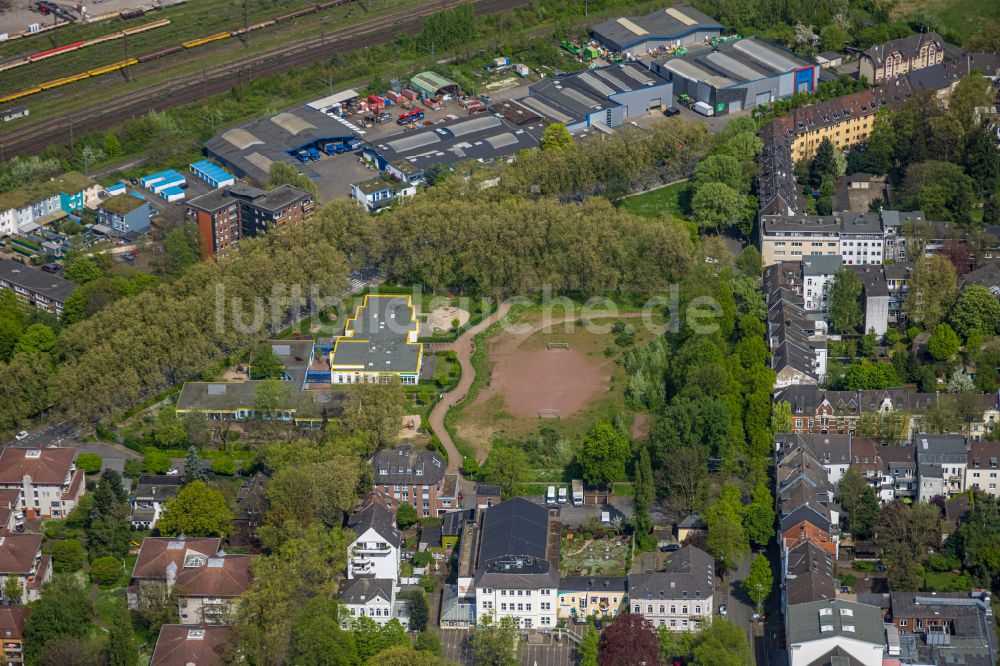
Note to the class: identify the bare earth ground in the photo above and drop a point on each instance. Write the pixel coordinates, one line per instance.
(410, 427)
(440, 319)
(557, 379)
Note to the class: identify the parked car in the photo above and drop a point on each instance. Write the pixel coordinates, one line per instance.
(670, 111)
(723, 610)
(51, 268)
(670, 548)
(21, 435)
(562, 495)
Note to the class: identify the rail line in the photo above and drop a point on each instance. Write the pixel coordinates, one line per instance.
(192, 87)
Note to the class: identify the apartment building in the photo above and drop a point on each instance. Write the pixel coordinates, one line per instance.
(227, 215)
(834, 632)
(375, 551)
(901, 56)
(857, 238)
(34, 288)
(186, 645)
(600, 597)
(406, 475)
(49, 483)
(11, 514)
(514, 575)
(939, 628)
(38, 203)
(12, 622)
(21, 558)
(831, 451)
(818, 272)
(982, 473)
(125, 214)
(208, 588)
(808, 575)
(679, 597)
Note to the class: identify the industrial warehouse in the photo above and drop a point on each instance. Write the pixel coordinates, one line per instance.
(731, 76)
(249, 151)
(605, 97)
(673, 26)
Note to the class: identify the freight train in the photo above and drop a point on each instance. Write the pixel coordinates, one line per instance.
(190, 44)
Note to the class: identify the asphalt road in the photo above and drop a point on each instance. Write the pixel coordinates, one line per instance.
(739, 608)
(53, 434)
(113, 456)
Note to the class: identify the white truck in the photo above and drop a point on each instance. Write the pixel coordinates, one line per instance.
(703, 108)
(550, 496)
(577, 492)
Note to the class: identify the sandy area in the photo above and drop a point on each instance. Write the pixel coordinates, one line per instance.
(410, 427)
(442, 318)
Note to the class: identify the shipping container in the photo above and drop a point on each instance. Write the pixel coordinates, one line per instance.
(409, 94)
(375, 102)
(394, 96)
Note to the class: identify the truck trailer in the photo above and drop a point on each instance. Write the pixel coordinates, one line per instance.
(577, 492)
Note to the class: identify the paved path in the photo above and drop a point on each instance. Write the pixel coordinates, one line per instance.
(464, 346)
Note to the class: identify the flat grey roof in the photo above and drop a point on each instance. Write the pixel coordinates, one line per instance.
(35, 280)
(251, 148)
(732, 63)
(669, 23)
(376, 338)
(575, 96)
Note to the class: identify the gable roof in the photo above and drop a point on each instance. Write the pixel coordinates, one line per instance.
(689, 575)
(810, 575)
(12, 620)
(376, 517)
(908, 47)
(363, 590)
(157, 487)
(18, 552)
(227, 576)
(406, 466)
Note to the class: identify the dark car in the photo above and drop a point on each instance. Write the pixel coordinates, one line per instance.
(670, 548)
(51, 268)
(670, 111)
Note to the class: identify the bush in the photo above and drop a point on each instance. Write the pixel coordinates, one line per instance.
(224, 466)
(134, 468)
(89, 462)
(406, 515)
(155, 462)
(68, 556)
(429, 583)
(940, 562)
(422, 559)
(105, 570)
(863, 565)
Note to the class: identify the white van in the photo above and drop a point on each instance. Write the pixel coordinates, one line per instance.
(563, 495)
(550, 496)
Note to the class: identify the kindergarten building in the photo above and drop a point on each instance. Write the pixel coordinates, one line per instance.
(380, 341)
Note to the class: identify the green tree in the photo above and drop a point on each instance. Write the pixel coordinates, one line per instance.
(372, 639)
(556, 137)
(750, 262)
(196, 510)
(180, 249)
(12, 590)
(155, 462)
(169, 430)
(722, 643)
(36, 339)
(975, 309)
(122, 649)
(192, 470)
(63, 611)
(417, 604)
(68, 556)
(406, 515)
(589, 646)
(716, 206)
(318, 639)
(603, 455)
(493, 642)
(944, 343)
(112, 146)
(81, 270)
(282, 173)
(272, 399)
(224, 466)
(845, 302)
(758, 518)
(89, 462)
(759, 580)
(933, 288)
(376, 413)
(105, 570)
(644, 492)
(833, 38)
(720, 169)
(265, 364)
(506, 467)
(823, 164)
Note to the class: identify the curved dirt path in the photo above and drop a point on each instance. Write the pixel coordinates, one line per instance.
(464, 346)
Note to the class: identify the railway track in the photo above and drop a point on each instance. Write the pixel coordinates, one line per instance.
(192, 87)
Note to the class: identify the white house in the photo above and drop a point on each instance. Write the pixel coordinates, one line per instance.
(149, 498)
(375, 551)
(367, 597)
(821, 629)
(48, 480)
(680, 596)
(513, 577)
(818, 272)
(381, 192)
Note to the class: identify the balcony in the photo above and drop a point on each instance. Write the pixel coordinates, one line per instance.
(361, 567)
(372, 548)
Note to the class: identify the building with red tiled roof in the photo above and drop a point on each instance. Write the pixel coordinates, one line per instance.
(157, 554)
(21, 558)
(11, 515)
(50, 485)
(185, 645)
(208, 592)
(12, 621)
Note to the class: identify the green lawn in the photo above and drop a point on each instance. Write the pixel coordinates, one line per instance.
(652, 204)
(104, 605)
(962, 17)
(945, 582)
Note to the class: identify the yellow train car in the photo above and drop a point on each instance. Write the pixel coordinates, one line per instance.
(146, 26)
(204, 40)
(19, 94)
(110, 68)
(55, 83)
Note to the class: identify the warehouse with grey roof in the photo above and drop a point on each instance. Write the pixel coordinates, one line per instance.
(738, 75)
(673, 26)
(604, 98)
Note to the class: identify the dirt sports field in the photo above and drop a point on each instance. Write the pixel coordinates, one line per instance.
(528, 384)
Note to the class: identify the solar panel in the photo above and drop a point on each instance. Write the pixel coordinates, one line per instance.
(597, 85)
